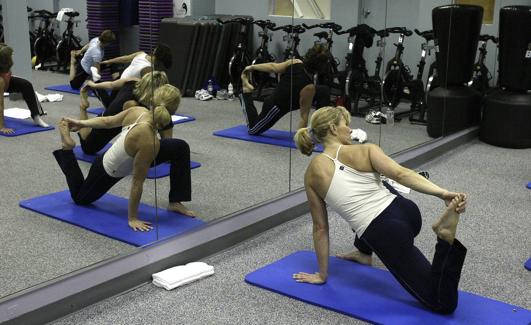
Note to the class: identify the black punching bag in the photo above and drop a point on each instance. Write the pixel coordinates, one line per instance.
(515, 48)
(457, 29)
(453, 106)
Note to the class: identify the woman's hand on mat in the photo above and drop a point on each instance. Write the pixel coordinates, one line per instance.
(140, 225)
(7, 130)
(313, 278)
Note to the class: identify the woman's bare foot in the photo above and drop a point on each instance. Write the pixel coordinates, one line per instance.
(180, 208)
(356, 256)
(83, 92)
(66, 139)
(246, 85)
(446, 226)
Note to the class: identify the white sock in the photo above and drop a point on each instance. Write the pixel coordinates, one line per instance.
(38, 121)
(95, 75)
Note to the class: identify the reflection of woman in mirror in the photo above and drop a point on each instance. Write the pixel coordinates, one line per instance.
(10, 83)
(347, 178)
(295, 90)
(131, 154)
(132, 93)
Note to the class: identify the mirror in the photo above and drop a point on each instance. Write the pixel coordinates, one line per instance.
(233, 175)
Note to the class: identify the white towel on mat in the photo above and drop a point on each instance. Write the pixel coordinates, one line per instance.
(49, 98)
(183, 274)
(18, 113)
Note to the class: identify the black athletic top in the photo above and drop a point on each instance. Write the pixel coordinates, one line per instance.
(125, 94)
(282, 94)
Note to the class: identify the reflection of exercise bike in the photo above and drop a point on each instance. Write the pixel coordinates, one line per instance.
(326, 39)
(262, 55)
(292, 38)
(414, 90)
(240, 58)
(45, 42)
(481, 75)
(68, 42)
(358, 84)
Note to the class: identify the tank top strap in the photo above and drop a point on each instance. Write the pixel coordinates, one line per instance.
(337, 152)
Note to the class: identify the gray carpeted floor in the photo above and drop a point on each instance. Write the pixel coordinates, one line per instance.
(234, 175)
(495, 230)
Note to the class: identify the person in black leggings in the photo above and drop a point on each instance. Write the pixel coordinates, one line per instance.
(13, 84)
(346, 178)
(295, 90)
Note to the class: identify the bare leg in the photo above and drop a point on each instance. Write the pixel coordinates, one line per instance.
(66, 140)
(446, 226)
(73, 64)
(246, 85)
(84, 104)
(180, 208)
(356, 256)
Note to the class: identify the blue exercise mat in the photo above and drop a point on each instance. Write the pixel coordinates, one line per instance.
(159, 171)
(374, 295)
(66, 89)
(108, 216)
(529, 185)
(274, 137)
(100, 110)
(22, 127)
(527, 264)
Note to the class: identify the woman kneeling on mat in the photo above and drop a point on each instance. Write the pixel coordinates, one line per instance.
(347, 178)
(10, 83)
(295, 90)
(132, 154)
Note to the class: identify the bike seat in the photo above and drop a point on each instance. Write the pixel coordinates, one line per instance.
(382, 33)
(486, 37)
(264, 24)
(72, 14)
(321, 34)
(400, 30)
(428, 35)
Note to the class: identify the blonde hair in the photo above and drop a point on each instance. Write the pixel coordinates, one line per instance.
(145, 88)
(6, 58)
(320, 123)
(169, 96)
(161, 117)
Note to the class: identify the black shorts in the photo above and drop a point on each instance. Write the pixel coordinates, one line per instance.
(79, 78)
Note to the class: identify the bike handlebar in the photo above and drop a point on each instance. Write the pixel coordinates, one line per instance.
(486, 38)
(43, 13)
(427, 34)
(382, 33)
(291, 29)
(72, 14)
(400, 30)
(236, 20)
(264, 24)
(333, 26)
(359, 29)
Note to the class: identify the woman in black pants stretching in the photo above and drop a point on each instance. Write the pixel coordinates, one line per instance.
(347, 178)
(132, 154)
(10, 83)
(295, 90)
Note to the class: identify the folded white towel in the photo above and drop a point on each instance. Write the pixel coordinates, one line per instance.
(183, 274)
(61, 13)
(175, 118)
(18, 113)
(49, 98)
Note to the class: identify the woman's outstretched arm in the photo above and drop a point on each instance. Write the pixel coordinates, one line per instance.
(143, 158)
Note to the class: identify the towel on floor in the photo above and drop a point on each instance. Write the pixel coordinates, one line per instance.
(183, 274)
(49, 98)
(18, 113)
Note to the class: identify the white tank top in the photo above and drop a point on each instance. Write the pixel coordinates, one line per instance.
(133, 70)
(358, 197)
(116, 161)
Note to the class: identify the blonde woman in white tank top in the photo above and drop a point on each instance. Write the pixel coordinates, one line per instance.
(346, 177)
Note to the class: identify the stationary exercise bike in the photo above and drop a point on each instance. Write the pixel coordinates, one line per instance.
(68, 42)
(240, 57)
(481, 75)
(414, 90)
(292, 38)
(45, 42)
(260, 79)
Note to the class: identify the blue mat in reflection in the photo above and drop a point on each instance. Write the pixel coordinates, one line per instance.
(374, 295)
(274, 137)
(66, 89)
(22, 127)
(176, 118)
(527, 264)
(108, 216)
(529, 185)
(159, 171)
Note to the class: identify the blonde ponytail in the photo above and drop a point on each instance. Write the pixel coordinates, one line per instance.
(304, 141)
(161, 117)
